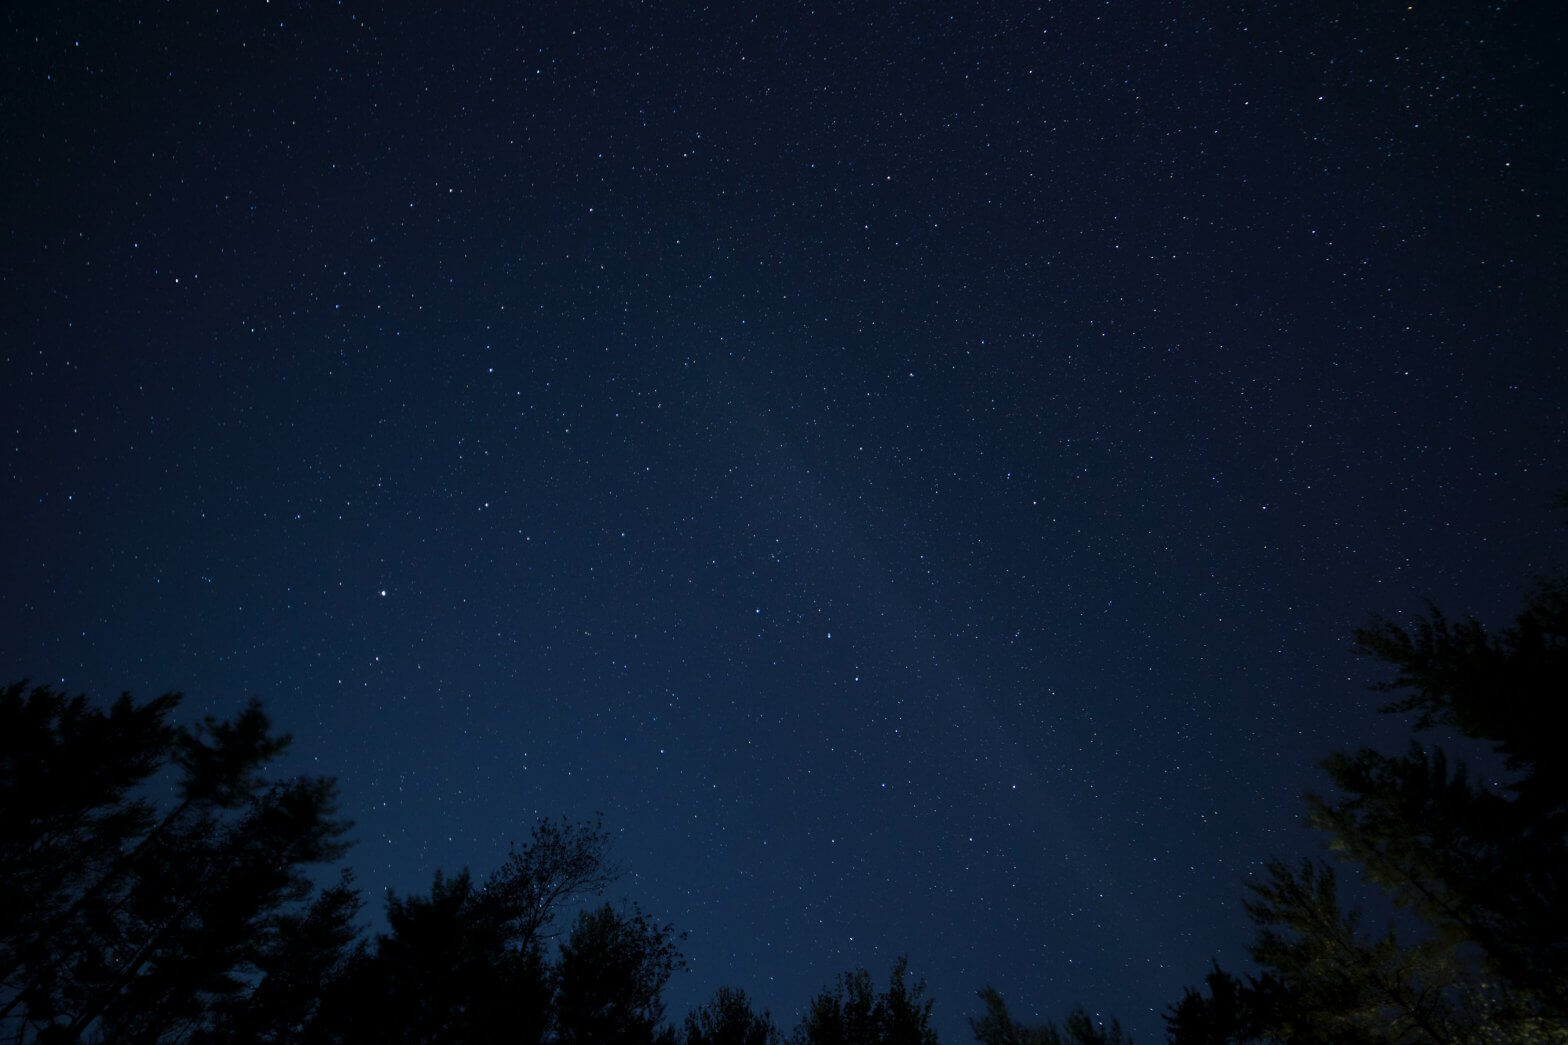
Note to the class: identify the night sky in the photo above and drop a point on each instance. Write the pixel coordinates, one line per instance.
(913, 468)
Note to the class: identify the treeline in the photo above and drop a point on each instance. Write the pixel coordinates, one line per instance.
(196, 919)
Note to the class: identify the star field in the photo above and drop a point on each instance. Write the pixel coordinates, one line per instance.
(915, 470)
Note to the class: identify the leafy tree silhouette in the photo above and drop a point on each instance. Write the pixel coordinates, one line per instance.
(449, 968)
(852, 1012)
(472, 962)
(727, 1019)
(610, 976)
(997, 1027)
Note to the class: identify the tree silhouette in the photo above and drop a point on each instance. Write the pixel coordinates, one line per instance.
(67, 773)
(1480, 866)
(1484, 864)
(138, 923)
(471, 961)
(449, 968)
(727, 1019)
(299, 952)
(610, 977)
(852, 1012)
(1233, 1010)
(563, 861)
(997, 1027)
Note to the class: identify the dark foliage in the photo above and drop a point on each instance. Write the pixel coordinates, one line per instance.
(853, 1012)
(727, 1019)
(195, 921)
(447, 970)
(1484, 864)
(477, 962)
(997, 1027)
(1233, 1010)
(467, 962)
(609, 978)
(144, 924)
(299, 952)
(1479, 865)
(68, 771)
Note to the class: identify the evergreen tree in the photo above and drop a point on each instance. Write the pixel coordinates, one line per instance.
(141, 924)
(68, 771)
(1478, 866)
(299, 952)
(1484, 864)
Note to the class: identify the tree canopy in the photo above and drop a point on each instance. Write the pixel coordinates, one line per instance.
(142, 922)
(1477, 865)
(854, 1012)
(199, 918)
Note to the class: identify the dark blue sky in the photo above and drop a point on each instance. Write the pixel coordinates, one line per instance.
(914, 470)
